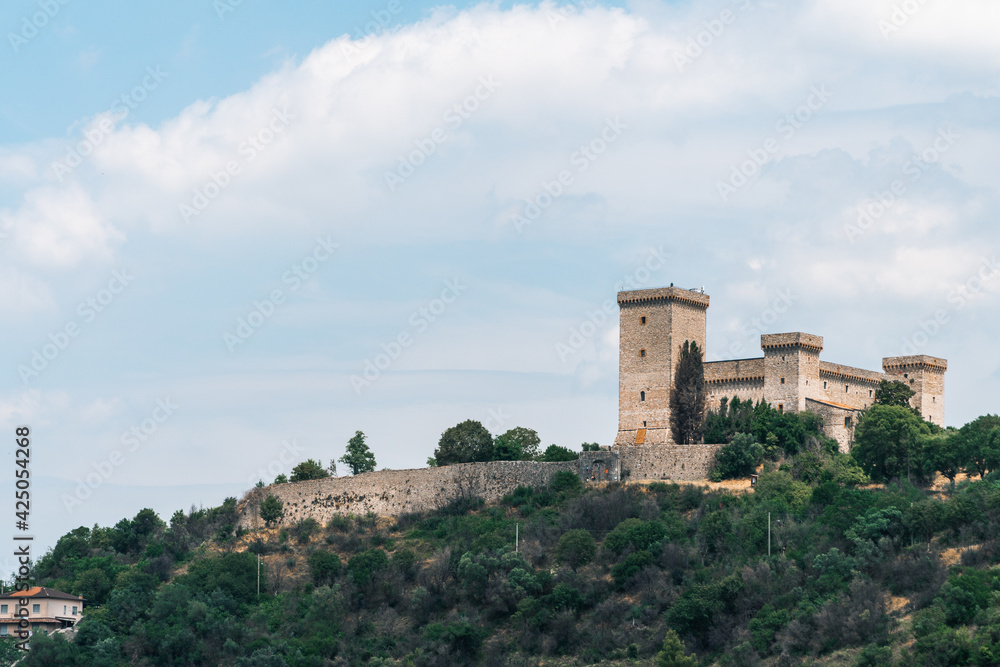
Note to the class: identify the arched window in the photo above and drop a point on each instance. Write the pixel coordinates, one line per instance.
(642, 396)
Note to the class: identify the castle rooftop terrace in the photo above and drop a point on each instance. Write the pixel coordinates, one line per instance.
(692, 297)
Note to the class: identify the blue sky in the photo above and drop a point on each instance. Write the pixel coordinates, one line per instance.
(296, 194)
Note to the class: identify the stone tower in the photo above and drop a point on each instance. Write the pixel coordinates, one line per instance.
(925, 376)
(790, 360)
(654, 323)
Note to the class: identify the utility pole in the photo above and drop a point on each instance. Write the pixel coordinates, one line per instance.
(768, 534)
(517, 535)
(258, 575)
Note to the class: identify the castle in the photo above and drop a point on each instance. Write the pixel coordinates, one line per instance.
(654, 324)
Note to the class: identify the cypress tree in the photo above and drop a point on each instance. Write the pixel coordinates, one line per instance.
(687, 396)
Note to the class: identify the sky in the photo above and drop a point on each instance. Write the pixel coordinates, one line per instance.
(233, 233)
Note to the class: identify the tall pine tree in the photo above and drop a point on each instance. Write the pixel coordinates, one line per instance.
(687, 396)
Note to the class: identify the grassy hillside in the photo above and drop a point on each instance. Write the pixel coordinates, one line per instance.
(857, 575)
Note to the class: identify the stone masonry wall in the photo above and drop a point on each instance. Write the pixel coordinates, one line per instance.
(667, 462)
(396, 492)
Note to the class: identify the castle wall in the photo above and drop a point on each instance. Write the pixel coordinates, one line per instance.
(396, 492)
(666, 462)
(838, 422)
(738, 378)
(847, 385)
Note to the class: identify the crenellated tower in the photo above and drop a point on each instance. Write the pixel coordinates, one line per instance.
(925, 376)
(654, 323)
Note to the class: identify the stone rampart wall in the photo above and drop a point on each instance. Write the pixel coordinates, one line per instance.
(667, 462)
(396, 492)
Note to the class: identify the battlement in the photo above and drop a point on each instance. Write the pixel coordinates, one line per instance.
(691, 297)
(915, 362)
(794, 339)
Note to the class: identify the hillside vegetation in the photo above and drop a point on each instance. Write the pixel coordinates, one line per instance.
(652, 573)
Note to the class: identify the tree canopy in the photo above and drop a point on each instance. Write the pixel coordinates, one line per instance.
(464, 443)
(307, 470)
(517, 444)
(888, 442)
(358, 457)
(687, 396)
(893, 392)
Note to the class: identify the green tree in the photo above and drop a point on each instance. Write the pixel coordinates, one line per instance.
(464, 443)
(324, 567)
(739, 458)
(307, 470)
(358, 457)
(673, 654)
(590, 447)
(517, 444)
(944, 453)
(887, 442)
(281, 479)
(979, 441)
(363, 566)
(687, 396)
(271, 510)
(893, 392)
(576, 548)
(555, 453)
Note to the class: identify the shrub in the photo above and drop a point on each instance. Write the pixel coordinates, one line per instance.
(576, 548)
(271, 510)
(566, 481)
(631, 566)
(304, 530)
(324, 567)
(366, 564)
(739, 458)
(555, 453)
(307, 470)
(672, 653)
(636, 534)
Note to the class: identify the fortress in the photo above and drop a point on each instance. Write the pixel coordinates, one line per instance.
(654, 324)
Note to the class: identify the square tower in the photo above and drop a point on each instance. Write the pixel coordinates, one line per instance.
(654, 323)
(925, 376)
(791, 361)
